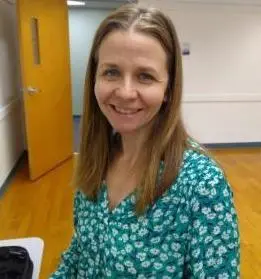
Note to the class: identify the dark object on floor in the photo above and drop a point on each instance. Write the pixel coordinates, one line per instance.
(15, 263)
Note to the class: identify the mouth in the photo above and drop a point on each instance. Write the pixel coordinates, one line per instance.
(125, 111)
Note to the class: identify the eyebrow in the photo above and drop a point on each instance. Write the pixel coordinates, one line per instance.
(110, 65)
(148, 69)
(141, 68)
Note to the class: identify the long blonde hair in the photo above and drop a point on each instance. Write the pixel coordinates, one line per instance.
(168, 138)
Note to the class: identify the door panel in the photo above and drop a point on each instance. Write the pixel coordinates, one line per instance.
(43, 30)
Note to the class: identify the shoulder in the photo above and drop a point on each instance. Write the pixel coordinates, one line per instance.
(203, 176)
(197, 158)
(198, 161)
(202, 165)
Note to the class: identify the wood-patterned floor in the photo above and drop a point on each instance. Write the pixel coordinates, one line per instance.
(44, 208)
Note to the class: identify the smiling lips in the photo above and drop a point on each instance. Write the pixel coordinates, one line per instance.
(125, 111)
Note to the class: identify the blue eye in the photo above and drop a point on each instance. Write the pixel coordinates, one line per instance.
(145, 77)
(111, 73)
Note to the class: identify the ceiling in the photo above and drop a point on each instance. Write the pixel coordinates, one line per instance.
(116, 3)
(104, 3)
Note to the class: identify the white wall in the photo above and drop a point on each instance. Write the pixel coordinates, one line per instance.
(222, 81)
(82, 27)
(11, 124)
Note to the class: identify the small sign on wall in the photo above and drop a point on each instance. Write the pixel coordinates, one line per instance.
(185, 49)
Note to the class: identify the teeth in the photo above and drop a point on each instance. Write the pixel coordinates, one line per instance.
(125, 111)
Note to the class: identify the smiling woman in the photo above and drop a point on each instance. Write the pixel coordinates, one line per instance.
(128, 93)
(150, 203)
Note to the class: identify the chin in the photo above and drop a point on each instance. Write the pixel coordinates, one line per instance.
(126, 129)
(131, 128)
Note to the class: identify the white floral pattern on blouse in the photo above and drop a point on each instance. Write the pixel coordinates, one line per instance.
(190, 232)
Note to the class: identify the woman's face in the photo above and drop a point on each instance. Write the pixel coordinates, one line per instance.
(131, 80)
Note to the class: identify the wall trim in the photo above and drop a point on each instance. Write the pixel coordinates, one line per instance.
(233, 3)
(233, 145)
(222, 2)
(5, 110)
(223, 98)
(7, 181)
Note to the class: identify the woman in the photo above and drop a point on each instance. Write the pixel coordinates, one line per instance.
(150, 202)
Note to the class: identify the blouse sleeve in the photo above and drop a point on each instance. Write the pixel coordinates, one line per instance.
(213, 250)
(69, 259)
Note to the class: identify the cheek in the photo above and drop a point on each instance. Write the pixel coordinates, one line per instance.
(154, 96)
(101, 91)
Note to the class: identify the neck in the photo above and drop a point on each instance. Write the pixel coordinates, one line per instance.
(133, 147)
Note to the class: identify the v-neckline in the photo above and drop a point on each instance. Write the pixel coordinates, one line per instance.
(128, 198)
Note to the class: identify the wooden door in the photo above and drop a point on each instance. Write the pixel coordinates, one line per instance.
(45, 67)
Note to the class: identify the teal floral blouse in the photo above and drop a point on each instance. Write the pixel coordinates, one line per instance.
(190, 232)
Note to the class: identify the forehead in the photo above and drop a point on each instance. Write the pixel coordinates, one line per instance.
(131, 47)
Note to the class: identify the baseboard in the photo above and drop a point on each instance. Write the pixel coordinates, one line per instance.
(233, 145)
(222, 98)
(11, 175)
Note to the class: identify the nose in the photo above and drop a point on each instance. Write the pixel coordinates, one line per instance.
(126, 89)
